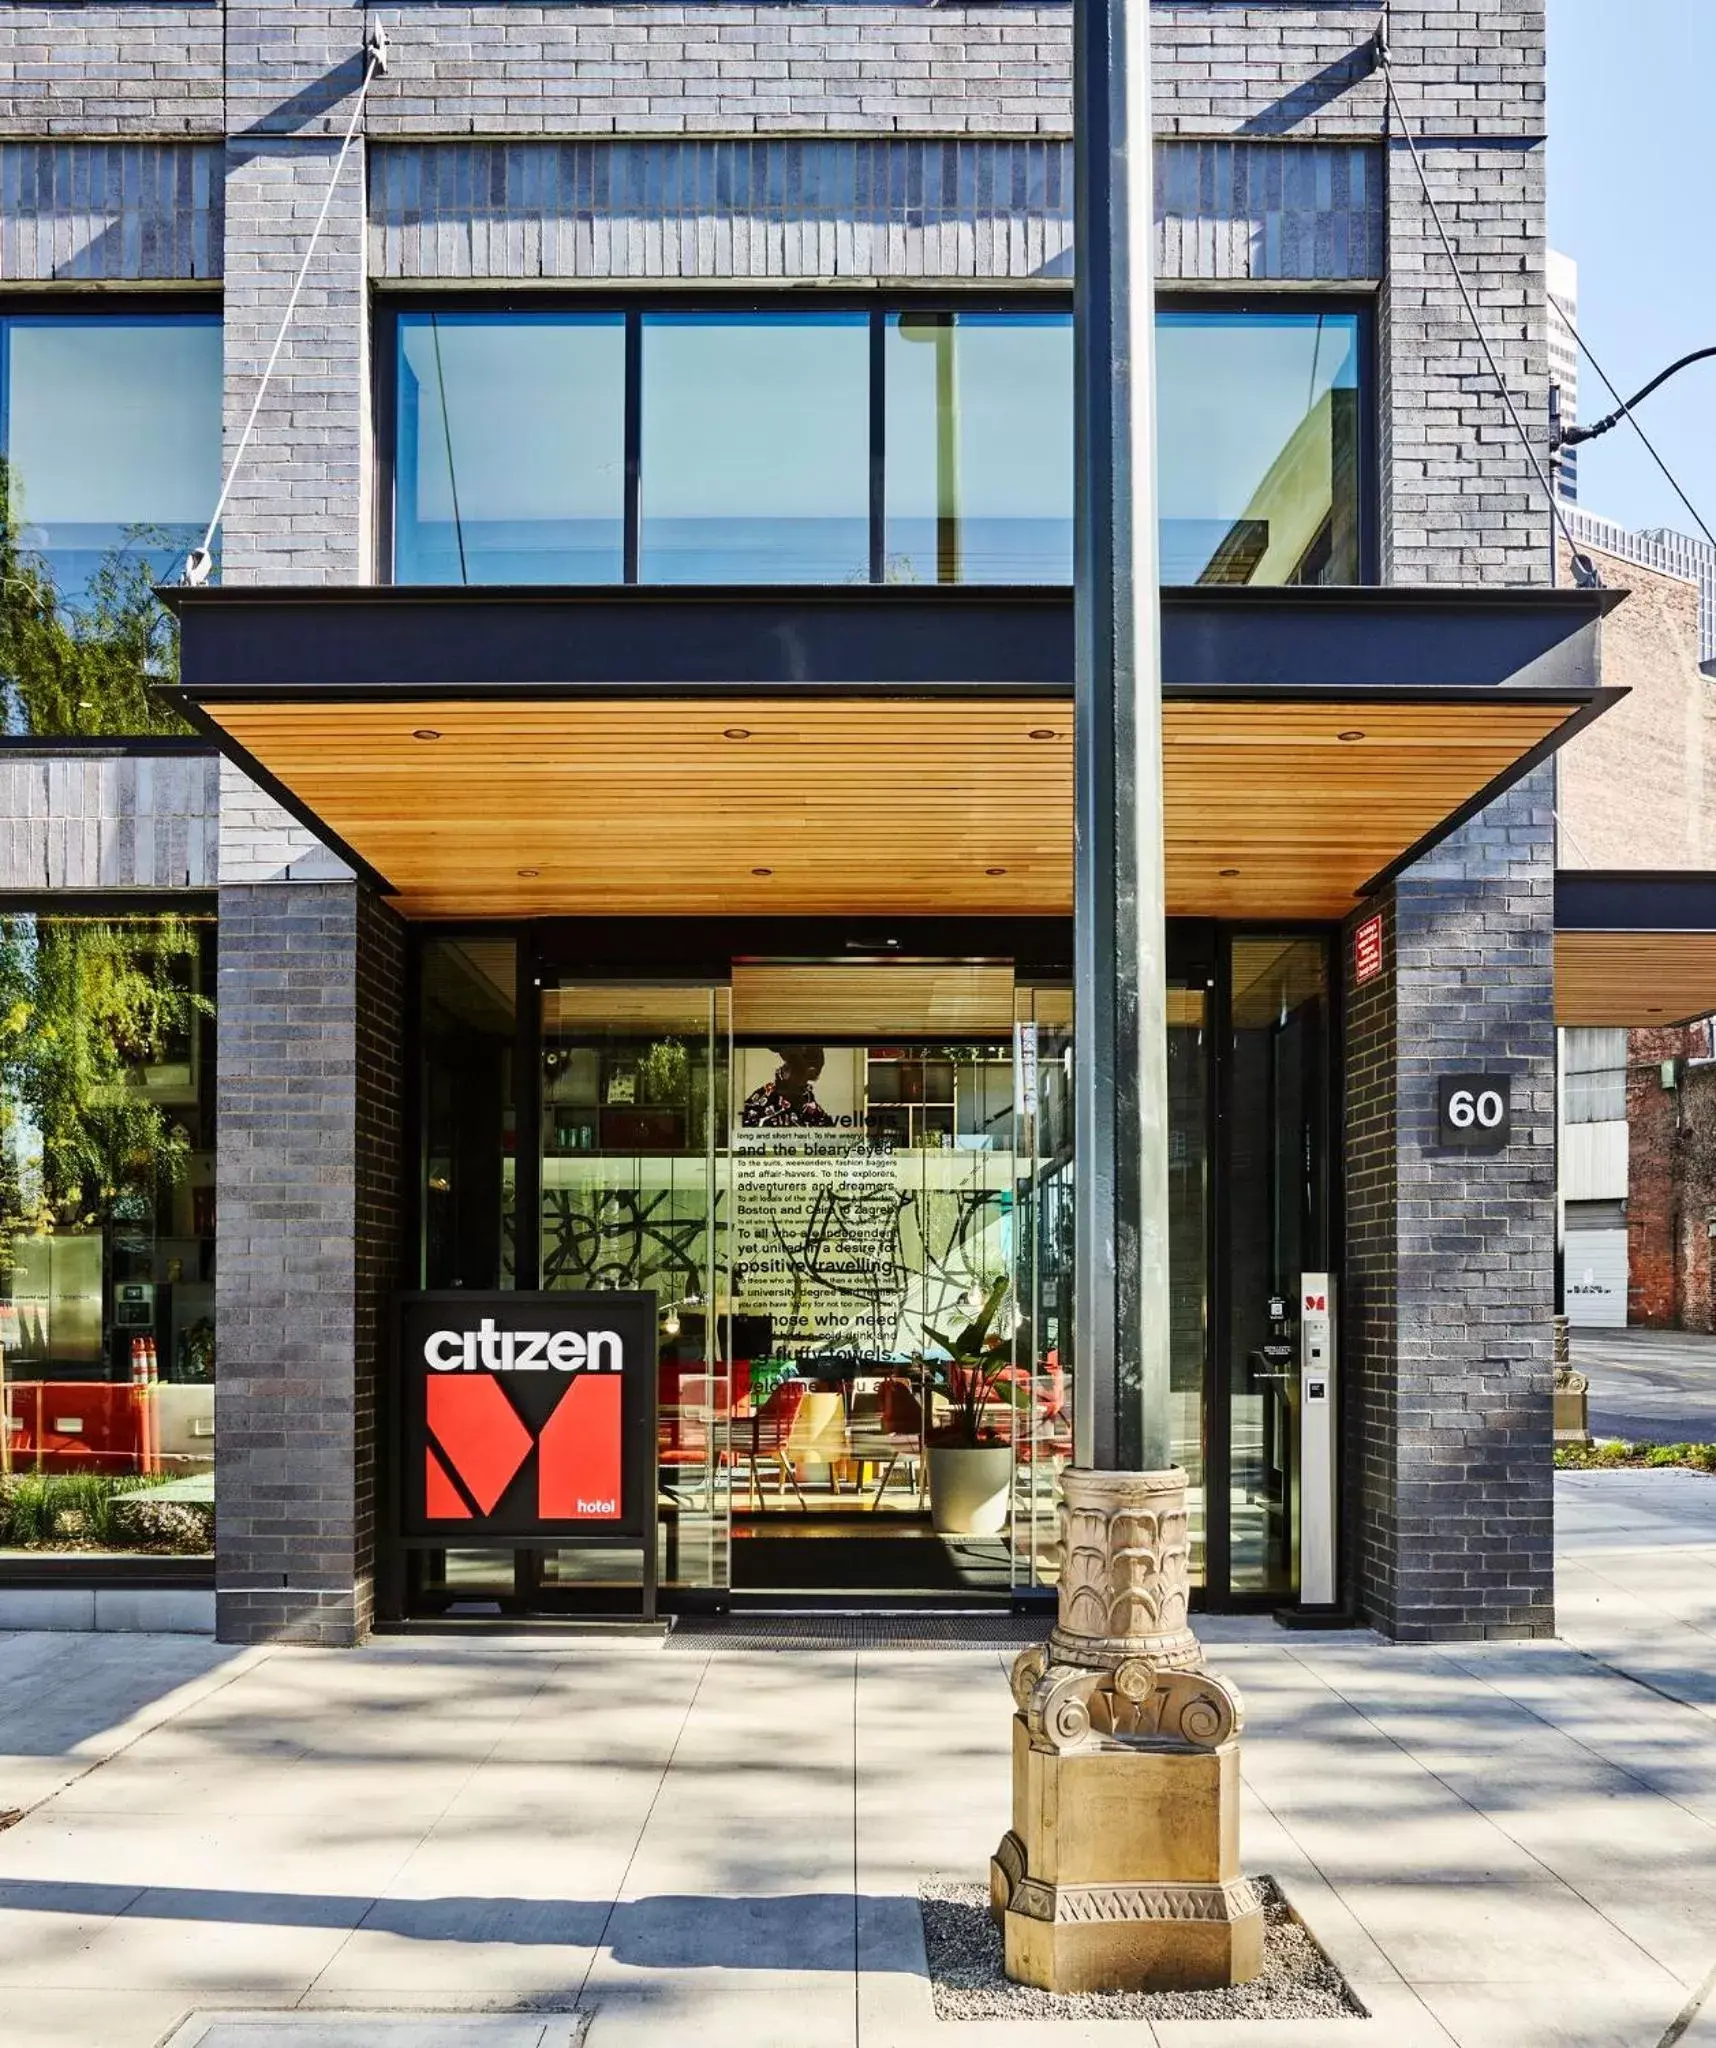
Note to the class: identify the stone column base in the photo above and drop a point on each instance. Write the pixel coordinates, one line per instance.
(1126, 1937)
(1121, 1872)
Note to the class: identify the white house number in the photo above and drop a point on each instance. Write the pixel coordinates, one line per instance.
(1474, 1111)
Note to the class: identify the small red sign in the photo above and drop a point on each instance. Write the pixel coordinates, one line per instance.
(1367, 950)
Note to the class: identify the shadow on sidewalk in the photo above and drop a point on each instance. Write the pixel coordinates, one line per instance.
(797, 1931)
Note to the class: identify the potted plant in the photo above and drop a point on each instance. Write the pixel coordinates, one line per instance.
(970, 1456)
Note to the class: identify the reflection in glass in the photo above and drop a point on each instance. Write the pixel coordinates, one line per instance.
(510, 457)
(1188, 1241)
(1258, 447)
(1278, 1229)
(107, 1283)
(112, 438)
(979, 448)
(469, 1030)
(634, 1094)
(756, 448)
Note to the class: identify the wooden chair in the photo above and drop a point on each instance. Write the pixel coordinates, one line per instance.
(764, 1438)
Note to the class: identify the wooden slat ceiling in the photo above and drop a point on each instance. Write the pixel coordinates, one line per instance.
(843, 806)
(1634, 978)
(848, 1000)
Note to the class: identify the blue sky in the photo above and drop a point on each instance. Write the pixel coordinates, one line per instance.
(1631, 200)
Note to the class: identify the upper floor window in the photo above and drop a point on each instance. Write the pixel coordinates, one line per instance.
(110, 430)
(908, 444)
(112, 426)
(1258, 441)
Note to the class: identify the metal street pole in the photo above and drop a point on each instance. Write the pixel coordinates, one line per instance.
(1120, 1307)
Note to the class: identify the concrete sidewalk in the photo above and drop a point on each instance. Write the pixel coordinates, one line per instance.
(1500, 1845)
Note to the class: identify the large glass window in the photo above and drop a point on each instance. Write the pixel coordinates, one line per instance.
(911, 444)
(756, 448)
(1258, 442)
(980, 448)
(107, 1295)
(110, 427)
(511, 448)
(112, 438)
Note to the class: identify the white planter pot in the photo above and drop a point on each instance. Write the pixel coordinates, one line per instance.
(969, 1489)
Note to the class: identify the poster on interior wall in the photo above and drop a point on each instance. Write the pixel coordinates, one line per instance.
(526, 1416)
(816, 1204)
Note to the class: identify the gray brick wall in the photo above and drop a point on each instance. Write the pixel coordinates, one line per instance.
(1447, 1327)
(110, 212)
(260, 842)
(299, 509)
(94, 818)
(1460, 500)
(307, 1151)
(124, 69)
(854, 208)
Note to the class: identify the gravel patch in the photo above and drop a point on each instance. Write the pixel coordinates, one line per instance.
(964, 1944)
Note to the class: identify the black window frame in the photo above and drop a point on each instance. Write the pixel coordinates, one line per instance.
(634, 306)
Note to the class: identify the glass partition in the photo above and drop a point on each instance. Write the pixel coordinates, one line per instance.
(634, 1098)
(469, 1123)
(1278, 1222)
(107, 1296)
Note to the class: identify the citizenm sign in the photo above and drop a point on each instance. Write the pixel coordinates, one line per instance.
(527, 1416)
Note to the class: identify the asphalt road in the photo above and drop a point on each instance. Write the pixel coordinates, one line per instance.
(1654, 1386)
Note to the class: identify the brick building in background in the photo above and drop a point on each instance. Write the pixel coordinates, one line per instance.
(643, 639)
(1637, 1175)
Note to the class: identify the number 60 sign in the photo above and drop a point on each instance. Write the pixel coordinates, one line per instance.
(1474, 1112)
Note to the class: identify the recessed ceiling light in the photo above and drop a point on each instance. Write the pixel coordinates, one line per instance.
(425, 732)
(528, 874)
(762, 871)
(1352, 733)
(1042, 732)
(736, 732)
(994, 871)
(1227, 871)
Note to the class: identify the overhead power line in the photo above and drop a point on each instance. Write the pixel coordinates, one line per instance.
(1624, 411)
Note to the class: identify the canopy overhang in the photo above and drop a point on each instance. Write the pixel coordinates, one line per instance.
(1634, 947)
(484, 753)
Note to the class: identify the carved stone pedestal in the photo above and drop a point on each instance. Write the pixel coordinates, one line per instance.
(1121, 1870)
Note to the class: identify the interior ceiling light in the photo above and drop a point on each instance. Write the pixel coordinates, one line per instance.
(1352, 733)
(994, 871)
(1042, 732)
(736, 732)
(762, 871)
(528, 874)
(1227, 871)
(425, 732)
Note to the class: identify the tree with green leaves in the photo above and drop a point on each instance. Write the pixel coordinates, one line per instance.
(89, 666)
(86, 1005)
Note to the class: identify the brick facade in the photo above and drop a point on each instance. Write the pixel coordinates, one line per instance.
(1671, 1178)
(1451, 1255)
(531, 143)
(310, 1092)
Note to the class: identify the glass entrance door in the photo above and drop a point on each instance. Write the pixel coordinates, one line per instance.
(849, 1185)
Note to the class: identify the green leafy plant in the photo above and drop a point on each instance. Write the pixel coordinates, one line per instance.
(89, 666)
(664, 1070)
(1617, 1455)
(38, 1509)
(85, 1006)
(976, 1376)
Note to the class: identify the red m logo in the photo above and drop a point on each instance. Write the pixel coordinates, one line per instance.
(478, 1436)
